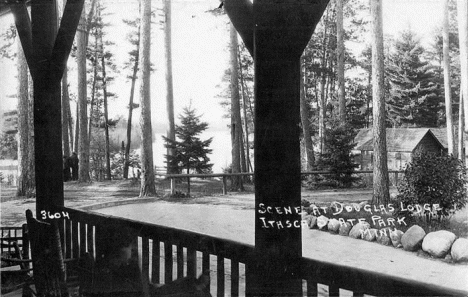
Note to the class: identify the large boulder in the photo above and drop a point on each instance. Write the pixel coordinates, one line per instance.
(333, 225)
(438, 243)
(413, 238)
(358, 230)
(345, 228)
(322, 222)
(395, 237)
(460, 250)
(383, 237)
(370, 234)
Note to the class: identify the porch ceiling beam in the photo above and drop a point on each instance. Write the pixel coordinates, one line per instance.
(23, 27)
(240, 13)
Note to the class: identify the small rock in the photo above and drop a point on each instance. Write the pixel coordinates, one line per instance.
(333, 225)
(448, 258)
(370, 234)
(413, 238)
(311, 221)
(345, 228)
(395, 237)
(314, 210)
(322, 222)
(358, 230)
(383, 238)
(438, 243)
(460, 250)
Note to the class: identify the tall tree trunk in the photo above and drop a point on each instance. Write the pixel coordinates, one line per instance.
(70, 127)
(461, 128)
(147, 182)
(368, 99)
(82, 142)
(340, 61)
(236, 125)
(170, 133)
(106, 114)
(380, 171)
(31, 155)
(245, 98)
(322, 101)
(447, 81)
(130, 107)
(77, 126)
(309, 148)
(65, 114)
(462, 11)
(93, 106)
(83, 138)
(24, 179)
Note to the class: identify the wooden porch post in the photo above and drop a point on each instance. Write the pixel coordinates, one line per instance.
(47, 50)
(47, 109)
(281, 29)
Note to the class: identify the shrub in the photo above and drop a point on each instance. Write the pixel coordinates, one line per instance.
(434, 179)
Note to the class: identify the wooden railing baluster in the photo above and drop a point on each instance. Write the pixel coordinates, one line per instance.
(180, 261)
(191, 262)
(205, 261)
(25, 243)
(75, 243)
(156, 264)
(312, 289)
(90, 240)
(168, 262)
(220, 276)
(82, 238)
(234, 278)
(68, 239)
(333, 290)
(145, 259)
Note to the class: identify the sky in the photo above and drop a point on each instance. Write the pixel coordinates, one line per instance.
(200, 57)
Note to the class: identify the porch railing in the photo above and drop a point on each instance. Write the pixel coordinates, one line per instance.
(167, 254)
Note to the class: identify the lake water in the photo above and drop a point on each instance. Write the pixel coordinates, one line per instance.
(221, 146)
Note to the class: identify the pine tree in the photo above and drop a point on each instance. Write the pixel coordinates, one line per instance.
(415, 95)
(132, 63)
(190, 152)
(339, 159)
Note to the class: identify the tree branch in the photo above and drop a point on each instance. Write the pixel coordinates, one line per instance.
(240, 13)
(66, 34)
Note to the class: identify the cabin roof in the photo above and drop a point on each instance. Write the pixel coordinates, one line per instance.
(398, 139)
(441, 134)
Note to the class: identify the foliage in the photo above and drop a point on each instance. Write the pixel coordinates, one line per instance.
(117, 163)
(191, 153)
(338, 159)
(415, 95)
(434, 179)
(8, 38)
(8, 146)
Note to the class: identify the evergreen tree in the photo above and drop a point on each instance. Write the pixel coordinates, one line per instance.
(338, 159)
(415, 95)
(191, 153)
